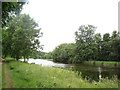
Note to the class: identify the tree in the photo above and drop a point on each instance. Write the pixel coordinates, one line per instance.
(116, 49)
(115, 34)
(48, 55)
(6, 43)
(106, 37)
(9, 9)
(89, 46)
(97, 44)
(22, 34)
(37, 54)
(84, 42)
(64, 52)
(106, 47)
(110, 47)
(115, 46)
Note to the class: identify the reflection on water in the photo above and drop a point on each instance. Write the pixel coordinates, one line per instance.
(100, 70)
(90, 72)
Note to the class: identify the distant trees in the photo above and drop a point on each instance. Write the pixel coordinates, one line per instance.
(89, 46)
(97, 44)
(37, 54)
(41, 55)
(115, 54)
(20, 37)
(48, 55)
(64, 52)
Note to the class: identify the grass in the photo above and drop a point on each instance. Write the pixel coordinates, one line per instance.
(26, 75)
(104, 63)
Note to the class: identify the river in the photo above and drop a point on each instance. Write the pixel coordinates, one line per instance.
(91, 72)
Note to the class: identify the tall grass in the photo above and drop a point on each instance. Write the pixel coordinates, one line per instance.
(106, 62)
(25, 75)
(109, 64)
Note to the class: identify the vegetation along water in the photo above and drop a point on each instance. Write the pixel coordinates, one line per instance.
(92, 61)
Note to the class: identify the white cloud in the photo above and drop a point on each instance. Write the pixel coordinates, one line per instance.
(59, 19)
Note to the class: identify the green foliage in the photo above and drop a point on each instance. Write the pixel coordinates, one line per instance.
(21, 37)
(97, 45)
(41, 55)
(64, 53)
(110, 47)
(89, 46)
(37, 54)
(85, 33)
(48, 55)
(115, 54)
(92, 46)
(9, 9)
(25, 75)
(85, 42)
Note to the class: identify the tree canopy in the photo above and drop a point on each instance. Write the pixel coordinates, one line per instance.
(89, 46)
(9, 9)
(21, 37)
(64, 52)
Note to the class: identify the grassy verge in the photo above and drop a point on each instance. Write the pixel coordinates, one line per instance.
(25, 75)
(104, 63)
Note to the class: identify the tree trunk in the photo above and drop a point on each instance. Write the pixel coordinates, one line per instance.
(24, 58)
(17, 58)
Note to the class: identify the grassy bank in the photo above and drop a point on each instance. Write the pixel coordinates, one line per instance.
(104, 63)
(25, 75)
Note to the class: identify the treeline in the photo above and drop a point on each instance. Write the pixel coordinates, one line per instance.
(89, 46)
(20, 39)
(41, 55)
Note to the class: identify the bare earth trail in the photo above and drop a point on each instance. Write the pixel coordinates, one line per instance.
(0, 74)
(7, 77)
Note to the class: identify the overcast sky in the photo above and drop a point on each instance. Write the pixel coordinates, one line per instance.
(59, 19)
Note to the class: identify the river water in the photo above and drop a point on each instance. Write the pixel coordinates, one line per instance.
(91, 72)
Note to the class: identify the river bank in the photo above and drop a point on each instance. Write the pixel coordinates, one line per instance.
(115, 63)
(110, 64)
(104, 63)
(26, 75)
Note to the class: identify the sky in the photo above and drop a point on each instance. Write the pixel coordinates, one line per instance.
(59, 19)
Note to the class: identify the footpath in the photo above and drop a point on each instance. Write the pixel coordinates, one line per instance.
(7, 76)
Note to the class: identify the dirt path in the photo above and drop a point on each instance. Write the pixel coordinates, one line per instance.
(7, 77)
(0, 74)
(0, 62)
